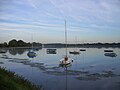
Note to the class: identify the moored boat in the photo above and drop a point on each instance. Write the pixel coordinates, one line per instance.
(31, 54)
(51, 51)
(82, 49)
(108, 50)
(74, 52)
(66, 60)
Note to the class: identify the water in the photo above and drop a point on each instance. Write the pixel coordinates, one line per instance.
(91, 70)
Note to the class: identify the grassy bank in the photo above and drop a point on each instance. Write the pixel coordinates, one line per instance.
(11, 81)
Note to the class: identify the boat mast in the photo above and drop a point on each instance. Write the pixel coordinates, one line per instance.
(32, 41)
(76, 43)
(66, 37)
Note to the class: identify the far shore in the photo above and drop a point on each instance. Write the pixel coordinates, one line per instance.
(63, 46)
(36, 45)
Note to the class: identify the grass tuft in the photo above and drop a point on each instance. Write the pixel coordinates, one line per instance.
(11, 81)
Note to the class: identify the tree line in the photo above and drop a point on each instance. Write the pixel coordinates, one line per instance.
(85, 45)
(19, 43)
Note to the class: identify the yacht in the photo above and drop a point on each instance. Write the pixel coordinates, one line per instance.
(66, 60)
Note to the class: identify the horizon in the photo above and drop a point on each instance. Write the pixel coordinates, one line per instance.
(62, 42)
(91, 21)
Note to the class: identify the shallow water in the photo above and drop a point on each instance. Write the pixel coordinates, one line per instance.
(91, 70)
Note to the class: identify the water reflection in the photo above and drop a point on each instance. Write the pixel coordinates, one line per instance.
(56, 70)
(2, 51)
(90, 67)
(20, 51)
(66, 86)
(65, 65)
(14, 51)
(110, 54)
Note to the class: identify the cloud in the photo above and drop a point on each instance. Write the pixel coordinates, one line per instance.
(31, 2)
(88, 10)
(49, 15)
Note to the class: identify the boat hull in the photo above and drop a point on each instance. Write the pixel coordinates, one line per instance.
(66, 62)
(31, 54)
(82, 49)
(74, 52)
(108, 50)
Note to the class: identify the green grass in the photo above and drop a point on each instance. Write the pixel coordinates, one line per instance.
(11, 81)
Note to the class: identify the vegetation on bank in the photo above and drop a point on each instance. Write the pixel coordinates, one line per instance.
(19, 43)
(85, 45)
(11, 81)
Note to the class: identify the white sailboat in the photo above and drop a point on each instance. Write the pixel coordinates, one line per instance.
(66, 60)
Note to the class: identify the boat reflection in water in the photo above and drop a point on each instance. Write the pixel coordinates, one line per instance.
(110, 54)
(65, 70)
(3, 50)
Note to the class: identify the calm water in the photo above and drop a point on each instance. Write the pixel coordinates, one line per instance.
(90, 70)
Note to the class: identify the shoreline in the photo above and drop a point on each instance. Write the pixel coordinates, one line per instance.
(11, 81)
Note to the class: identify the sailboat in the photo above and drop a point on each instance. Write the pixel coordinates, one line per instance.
(83, 49)
(75, 52)
(66, 60)
(31, 53)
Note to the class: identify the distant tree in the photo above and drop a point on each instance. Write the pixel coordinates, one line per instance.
(0, 44)
(13, 43)
(28, 44)
(5, 44)
(21, 43)
(37, 44)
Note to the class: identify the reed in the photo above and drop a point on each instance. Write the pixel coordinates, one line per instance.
(11, 81)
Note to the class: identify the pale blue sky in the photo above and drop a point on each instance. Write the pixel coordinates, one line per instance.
(88, 20)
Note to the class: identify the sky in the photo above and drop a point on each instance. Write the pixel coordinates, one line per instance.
(90, 21)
